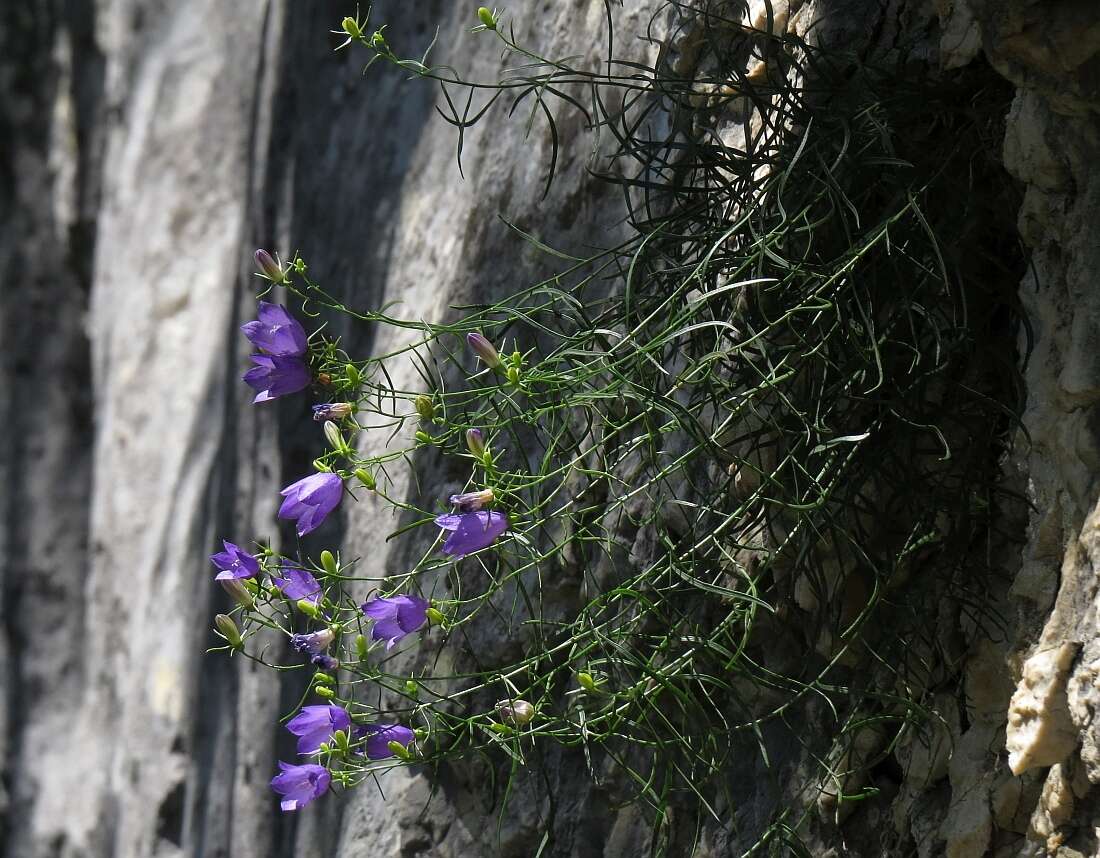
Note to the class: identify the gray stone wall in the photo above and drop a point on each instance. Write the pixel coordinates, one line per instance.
(148, 147)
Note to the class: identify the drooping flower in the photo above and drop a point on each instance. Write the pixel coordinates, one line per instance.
(484, 349)
(331, 411)
(234, 563)
(472, 501)
(275, 376)
(299, 785)
(313, 643)
(325, 661)
(297, 584)
(471, 531)
(379, 737)
(316, 724)
(311, 499)
(395, 616)
(276, 332)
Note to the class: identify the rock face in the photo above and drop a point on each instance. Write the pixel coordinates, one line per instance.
(149, 146)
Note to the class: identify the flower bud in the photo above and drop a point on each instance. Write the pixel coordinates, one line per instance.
(587, 682)
(328, 563)
(423, 437)
(361, 647)
(378, 42)
(324, 691)
(228, 630)
(483, 349)
(516, 711)
(476, 442)
(513, 375)
(322, 679)
(334, 438)
(502, 729)
(487, 19)
(424, 407)
(324, 378)
(340, 740)
(351, 27)
(321, 466)
(352, 373)
(411, 688)
(237, 591)
(308, 608)
(399, 750)
(366, 478)
(435, 617)
(269, 266)
(473, 501)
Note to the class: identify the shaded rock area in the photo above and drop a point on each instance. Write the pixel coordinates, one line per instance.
(148, 147)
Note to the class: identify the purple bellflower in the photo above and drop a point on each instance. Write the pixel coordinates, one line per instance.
(234, 563)
(276, 332)
(325, 661)
(314, 643)
(316, 724)
(379, 737)
(299, 785)
(471, 531)
(298, 584)
(311, 499)
(274, 376)
(395, 617)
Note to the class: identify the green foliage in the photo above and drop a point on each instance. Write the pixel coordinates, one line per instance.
(750, 454)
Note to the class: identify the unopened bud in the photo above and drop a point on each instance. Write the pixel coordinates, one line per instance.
(587, 682)
(228, 630)
(424, 407)
(332, 411)
(351, 27)
(322, 679)
(516, 711)
(502, 729)
(324, 378)
(487, 19)
(378, 42)
(352, 373)
(324, 691)
(238, 592)
(411, 688)
(399, 750)
(435, 617)
(340, 740)
(366, 478)
(423, 437)
(308, 608)
(333, 436)
(361, 647)
(267, 264)
(513, 375)
(321, 466)
(484, 349)
(476, 442)
(328, 563)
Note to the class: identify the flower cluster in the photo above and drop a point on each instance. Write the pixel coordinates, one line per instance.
(336, 739)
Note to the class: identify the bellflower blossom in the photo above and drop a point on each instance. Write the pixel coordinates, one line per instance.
(275, 376)
(234, 563)
(316, 724)
(299, 785)
(276, 332)
(395, 617)
(311, 499)
(471, 531)
(324, 661)
(379, 737)
(297, 584)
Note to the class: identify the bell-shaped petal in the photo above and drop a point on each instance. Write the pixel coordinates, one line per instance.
(274, 376)
(311, 499)
(471, 531)
(234, 563)
(395, 616)
(276, 332)
(299, 785)
(316, 724)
